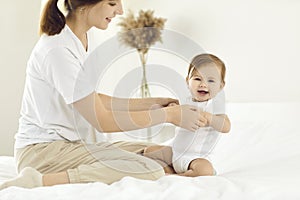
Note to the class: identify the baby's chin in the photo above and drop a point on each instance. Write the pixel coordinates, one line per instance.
(204, 98)
(197, 99)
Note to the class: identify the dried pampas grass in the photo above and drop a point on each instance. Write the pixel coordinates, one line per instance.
(142, 31)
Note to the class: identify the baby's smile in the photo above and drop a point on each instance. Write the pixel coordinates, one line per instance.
(202, 92)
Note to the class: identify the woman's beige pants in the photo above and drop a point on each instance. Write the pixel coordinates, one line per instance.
(104, 162)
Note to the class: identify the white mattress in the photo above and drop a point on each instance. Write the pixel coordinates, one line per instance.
(259, 159)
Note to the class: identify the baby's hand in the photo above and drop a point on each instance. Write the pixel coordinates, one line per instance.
(208, 117)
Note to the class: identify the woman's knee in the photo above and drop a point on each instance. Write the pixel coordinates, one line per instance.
(152, 170)
(151, 149)
(159, 153)
(158, 174)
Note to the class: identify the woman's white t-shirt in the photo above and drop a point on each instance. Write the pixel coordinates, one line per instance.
(50, 89)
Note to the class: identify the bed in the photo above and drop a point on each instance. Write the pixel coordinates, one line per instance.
(259, 159)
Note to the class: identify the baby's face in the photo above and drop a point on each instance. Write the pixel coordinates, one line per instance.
(205, 82)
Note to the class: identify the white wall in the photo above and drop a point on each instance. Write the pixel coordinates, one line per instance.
(19, 32)
(258, 40)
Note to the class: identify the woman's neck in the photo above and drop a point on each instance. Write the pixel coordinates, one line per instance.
(79, 28)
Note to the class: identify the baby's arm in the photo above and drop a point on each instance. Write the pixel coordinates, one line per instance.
(219, 122)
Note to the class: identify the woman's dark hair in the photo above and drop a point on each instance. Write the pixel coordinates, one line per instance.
(53, 20)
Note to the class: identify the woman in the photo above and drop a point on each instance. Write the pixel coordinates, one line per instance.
(48, 148)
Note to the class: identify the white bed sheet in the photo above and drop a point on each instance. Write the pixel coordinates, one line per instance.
(259, 159)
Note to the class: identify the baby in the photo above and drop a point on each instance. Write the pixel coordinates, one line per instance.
(189, 152)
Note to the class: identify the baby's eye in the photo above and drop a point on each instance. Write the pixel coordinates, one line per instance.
(197, 79)
(211, 81)
(112, 4)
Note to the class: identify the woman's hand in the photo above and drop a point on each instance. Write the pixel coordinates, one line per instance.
(186, 116)
(172, 104)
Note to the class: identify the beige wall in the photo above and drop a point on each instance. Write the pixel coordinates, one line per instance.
(18, 21)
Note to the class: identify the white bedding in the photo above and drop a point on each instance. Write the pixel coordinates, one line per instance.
(259, 159)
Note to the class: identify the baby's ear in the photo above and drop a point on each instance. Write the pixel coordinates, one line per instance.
(222, 85)
(187, 81)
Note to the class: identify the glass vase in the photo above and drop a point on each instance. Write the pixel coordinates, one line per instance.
(144, 88)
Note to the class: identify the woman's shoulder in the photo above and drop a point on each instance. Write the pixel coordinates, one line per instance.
(61, 40)
(47, 47)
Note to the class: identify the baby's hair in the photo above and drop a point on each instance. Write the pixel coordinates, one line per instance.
(204, 59)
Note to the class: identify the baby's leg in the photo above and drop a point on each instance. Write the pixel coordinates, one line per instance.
(162, 155)
(199, 167)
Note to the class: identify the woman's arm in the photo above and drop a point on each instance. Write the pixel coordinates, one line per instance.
(123, 104)
(220, 122)
(94, 109)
